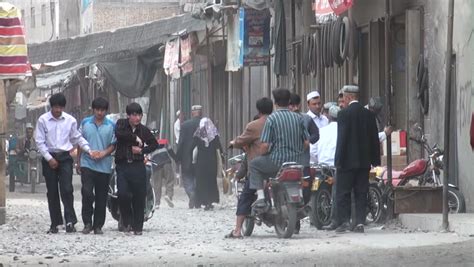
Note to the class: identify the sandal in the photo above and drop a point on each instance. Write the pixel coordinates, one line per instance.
(232, 236)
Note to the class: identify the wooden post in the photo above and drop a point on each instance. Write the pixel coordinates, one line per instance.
(3, 130)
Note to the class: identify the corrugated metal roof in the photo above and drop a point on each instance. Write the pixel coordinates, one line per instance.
(97, 45)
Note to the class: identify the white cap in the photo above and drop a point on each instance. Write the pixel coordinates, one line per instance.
(178, 113)
(29, 125)
(196, 107)
(312, 95)
(351, 89)
(333, 111)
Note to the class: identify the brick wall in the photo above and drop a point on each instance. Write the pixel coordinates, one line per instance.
(112, 16)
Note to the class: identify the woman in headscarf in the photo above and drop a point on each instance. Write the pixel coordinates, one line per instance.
(207, 143)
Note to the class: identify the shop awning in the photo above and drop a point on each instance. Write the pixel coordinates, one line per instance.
(93, 47)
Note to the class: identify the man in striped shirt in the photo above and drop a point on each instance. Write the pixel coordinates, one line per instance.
(284, 139)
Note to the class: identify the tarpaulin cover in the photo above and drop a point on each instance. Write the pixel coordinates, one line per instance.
(132, 76)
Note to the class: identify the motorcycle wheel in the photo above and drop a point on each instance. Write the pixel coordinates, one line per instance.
(247, 226)
(285, 223)
(112, 205)
(375, 205)
(150, 204)
(456, 202)
(321, 206)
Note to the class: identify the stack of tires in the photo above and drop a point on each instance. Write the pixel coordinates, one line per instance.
(330, 46)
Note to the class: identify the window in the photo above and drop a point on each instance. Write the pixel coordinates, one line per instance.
(33, 22)
(43, 15)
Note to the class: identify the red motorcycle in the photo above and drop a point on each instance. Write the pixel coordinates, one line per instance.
(422, 172)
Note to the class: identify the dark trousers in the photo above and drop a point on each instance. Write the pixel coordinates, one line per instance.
(348, 180)
(131, 186)
(189, 184)
(94, 191)
(246, 198)
(59, 182)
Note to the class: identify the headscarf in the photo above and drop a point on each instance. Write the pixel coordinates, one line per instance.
(207, 131)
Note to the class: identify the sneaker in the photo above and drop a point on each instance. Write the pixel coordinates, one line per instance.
(169, 201)
(359, 228)
(70, 228)
(98, 231)
(343, 228)
(87, 229)
(332, 226)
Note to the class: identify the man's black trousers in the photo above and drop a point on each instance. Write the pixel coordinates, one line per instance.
(348, 180)
(59, 181)
(131, 186)
(94, 191)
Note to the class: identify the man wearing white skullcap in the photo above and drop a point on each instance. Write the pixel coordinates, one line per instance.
(315, 106)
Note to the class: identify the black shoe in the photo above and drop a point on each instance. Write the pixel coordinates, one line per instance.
(359, 228)
(98, 231)
(137, 232)
(53, 230)
(343, 228)
(191, 204)
(70, 228)
(208, 207)
(332, 226)
(87, 229)
(126, 229)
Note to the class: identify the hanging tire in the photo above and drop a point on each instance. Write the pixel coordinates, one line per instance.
(285, 222)
(456, 202)
(375, 205)
(321, 206)
(247, 226)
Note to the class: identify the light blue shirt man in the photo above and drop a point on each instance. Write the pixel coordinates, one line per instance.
(100, 137)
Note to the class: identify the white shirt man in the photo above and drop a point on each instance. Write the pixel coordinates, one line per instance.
(326, 146)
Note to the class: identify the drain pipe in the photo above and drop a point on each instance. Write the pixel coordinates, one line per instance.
(447, 110)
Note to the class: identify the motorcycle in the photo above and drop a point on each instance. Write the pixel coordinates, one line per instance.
(150, 200)
(321, 194)
(285, 205)
(321, 197)
(421, 172)
(236, 184)
(25, 168)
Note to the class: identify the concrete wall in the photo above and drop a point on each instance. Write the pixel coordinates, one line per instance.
(42, 28)
(435, 22)
(39, 19)
(69, 18)
(110, 15)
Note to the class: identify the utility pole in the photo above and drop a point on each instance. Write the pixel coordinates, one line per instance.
(3, 130)
(447, 109)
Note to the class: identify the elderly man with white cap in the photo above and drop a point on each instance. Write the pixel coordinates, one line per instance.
(315, 107)
(357, 149)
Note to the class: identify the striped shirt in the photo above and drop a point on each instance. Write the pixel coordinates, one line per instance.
(285, 132)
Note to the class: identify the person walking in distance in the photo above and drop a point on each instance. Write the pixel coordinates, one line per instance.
(96, 171)
(185, 153)
(357, 149)
(134, 140)
(56, 135)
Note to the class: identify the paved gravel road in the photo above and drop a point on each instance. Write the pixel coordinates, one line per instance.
(179, 236)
